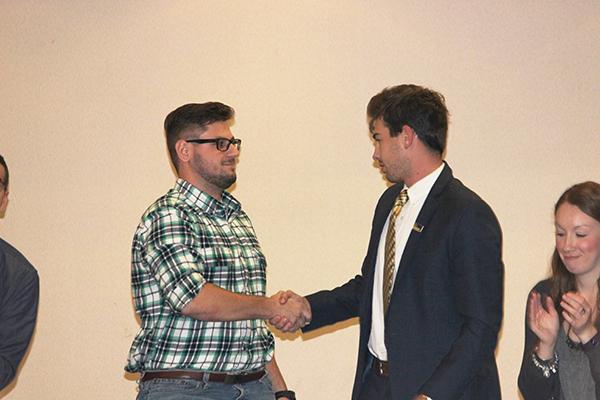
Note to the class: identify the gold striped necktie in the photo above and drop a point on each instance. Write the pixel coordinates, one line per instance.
(390, 250)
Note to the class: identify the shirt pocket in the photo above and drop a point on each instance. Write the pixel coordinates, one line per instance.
(222, 266)
(256, 270)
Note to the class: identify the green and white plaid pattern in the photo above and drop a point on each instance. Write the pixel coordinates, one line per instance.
(187, 238)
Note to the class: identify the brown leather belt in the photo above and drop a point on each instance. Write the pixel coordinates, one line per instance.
(201, 376)
(381, 368)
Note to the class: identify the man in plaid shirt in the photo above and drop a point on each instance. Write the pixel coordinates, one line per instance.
(199, 276)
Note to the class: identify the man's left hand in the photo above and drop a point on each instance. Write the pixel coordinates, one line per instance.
(422, 397)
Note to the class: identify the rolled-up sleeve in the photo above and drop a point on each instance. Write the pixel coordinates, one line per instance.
(171, 255)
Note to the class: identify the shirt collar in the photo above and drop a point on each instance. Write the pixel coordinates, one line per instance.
(197, 198)
(422, 188)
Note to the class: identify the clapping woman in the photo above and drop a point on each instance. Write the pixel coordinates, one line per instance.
(561, 359)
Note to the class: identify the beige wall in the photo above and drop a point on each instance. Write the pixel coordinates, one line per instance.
(87, 84)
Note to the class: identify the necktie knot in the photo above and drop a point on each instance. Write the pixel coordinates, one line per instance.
(402, 198)
(399, 203)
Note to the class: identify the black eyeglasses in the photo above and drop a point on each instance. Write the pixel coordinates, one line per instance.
(221, 143)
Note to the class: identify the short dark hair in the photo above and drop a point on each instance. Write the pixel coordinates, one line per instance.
(3, 163)
(422, 109)
(193, 115)
(586, 197)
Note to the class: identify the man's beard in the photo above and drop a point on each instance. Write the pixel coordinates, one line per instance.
(222, 181)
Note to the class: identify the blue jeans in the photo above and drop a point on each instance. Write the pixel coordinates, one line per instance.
(189, 389)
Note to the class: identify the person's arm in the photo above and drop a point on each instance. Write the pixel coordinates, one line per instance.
(592, 350)
(277, 379)
(476, 273)
(275, 374)
(579, 314)
(216, 304)
(330, 306)
(538, 379)
(17, 322)
(171, 252)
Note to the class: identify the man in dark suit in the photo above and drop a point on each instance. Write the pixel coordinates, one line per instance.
(429, 322)
(19, 296)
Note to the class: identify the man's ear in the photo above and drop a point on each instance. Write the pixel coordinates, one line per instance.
(409, 136)
(182, 148)
(3, 203)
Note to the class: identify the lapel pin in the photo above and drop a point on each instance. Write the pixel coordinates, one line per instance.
(418, 228)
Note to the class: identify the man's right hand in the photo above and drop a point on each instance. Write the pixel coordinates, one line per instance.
(544, 322)
(293, 311)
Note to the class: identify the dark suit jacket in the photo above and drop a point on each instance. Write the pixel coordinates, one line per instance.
(446, 308)
(19, 295)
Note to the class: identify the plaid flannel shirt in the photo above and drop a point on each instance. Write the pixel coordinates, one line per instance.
(185, 239)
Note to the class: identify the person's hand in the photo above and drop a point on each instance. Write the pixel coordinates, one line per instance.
(544, 322)
(294, 313)
(421, 397)
(306, 310)
(283, 318)
(577, 312)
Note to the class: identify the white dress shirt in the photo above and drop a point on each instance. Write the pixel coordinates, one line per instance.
(417, 194)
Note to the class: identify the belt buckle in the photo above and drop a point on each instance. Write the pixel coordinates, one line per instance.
(382, 368)
(230, 379)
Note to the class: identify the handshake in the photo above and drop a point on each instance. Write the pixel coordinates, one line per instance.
(290, 311)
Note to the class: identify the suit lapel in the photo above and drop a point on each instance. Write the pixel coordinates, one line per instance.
(422, 223)
(381, 218)
(382, 212)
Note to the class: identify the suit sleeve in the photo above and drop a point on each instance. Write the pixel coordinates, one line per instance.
(343, 302)
(339, 304)
(477, 280)
(17, 322)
